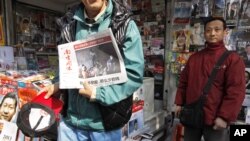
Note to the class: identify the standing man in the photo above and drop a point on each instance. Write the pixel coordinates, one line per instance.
(84, 121)
(226, 95)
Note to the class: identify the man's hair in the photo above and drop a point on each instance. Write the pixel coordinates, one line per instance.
(215, 19)
(10, 95)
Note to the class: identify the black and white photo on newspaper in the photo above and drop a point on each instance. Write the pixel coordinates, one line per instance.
(96, 59)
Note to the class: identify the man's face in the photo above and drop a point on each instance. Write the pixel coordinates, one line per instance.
(181, 40)
(214, 31)
(93, 5)
(7, 109)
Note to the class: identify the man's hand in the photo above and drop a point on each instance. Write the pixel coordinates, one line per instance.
(177, 110)
(219, 123)
(50, 90)
(88, 91)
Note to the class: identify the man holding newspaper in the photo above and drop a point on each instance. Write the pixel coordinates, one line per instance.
(88, 113)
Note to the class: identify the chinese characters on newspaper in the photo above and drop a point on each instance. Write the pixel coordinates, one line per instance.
(96, 60)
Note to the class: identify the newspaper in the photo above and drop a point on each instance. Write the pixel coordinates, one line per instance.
(96, 59)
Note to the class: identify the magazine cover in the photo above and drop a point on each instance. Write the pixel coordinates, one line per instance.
(8, 131)
(182, 12)
(247, 75)
(154, 67)
(230, 39)
(96, 60)
(136, 122)
(181, 40)
(203, 8)
(157, 46)
(243, 49)
(6, 58)
(244, 14)
(9, 106)
(243, 46)
(7, 85)
(197, 34)
(218, 8)
(40, 84)
(150, 29)
(232, 11)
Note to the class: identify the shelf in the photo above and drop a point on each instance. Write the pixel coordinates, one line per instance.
(47, 53)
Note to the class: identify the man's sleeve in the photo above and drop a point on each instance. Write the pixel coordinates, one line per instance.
(234, 88)
(182, 86)
(134, 65)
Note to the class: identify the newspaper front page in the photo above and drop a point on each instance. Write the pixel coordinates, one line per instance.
(96, 59)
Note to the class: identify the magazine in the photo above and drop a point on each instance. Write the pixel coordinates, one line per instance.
(230, 39)
(136, 122)
(203, 8)
(244, 14)
(197, 34)
(181, 40)
(247, 75)
(182, 12)
(40, 84)
(218, 8)
(96, 60)
(9, 100)
(6, 58)
(8, 131)
(231, 12)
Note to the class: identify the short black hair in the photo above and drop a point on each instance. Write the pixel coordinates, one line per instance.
(10, 95)
(215, 19)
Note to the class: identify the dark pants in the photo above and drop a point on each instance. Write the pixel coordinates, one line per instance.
(208, 133)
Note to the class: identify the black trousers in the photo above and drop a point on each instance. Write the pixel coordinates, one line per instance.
(208, 133)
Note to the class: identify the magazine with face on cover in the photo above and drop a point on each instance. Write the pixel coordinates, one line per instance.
(232, 11)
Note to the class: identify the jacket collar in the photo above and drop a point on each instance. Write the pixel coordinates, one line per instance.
(214, 46)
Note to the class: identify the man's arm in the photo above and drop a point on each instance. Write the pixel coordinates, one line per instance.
(234, 88)
(181, 90)
(51, 89)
